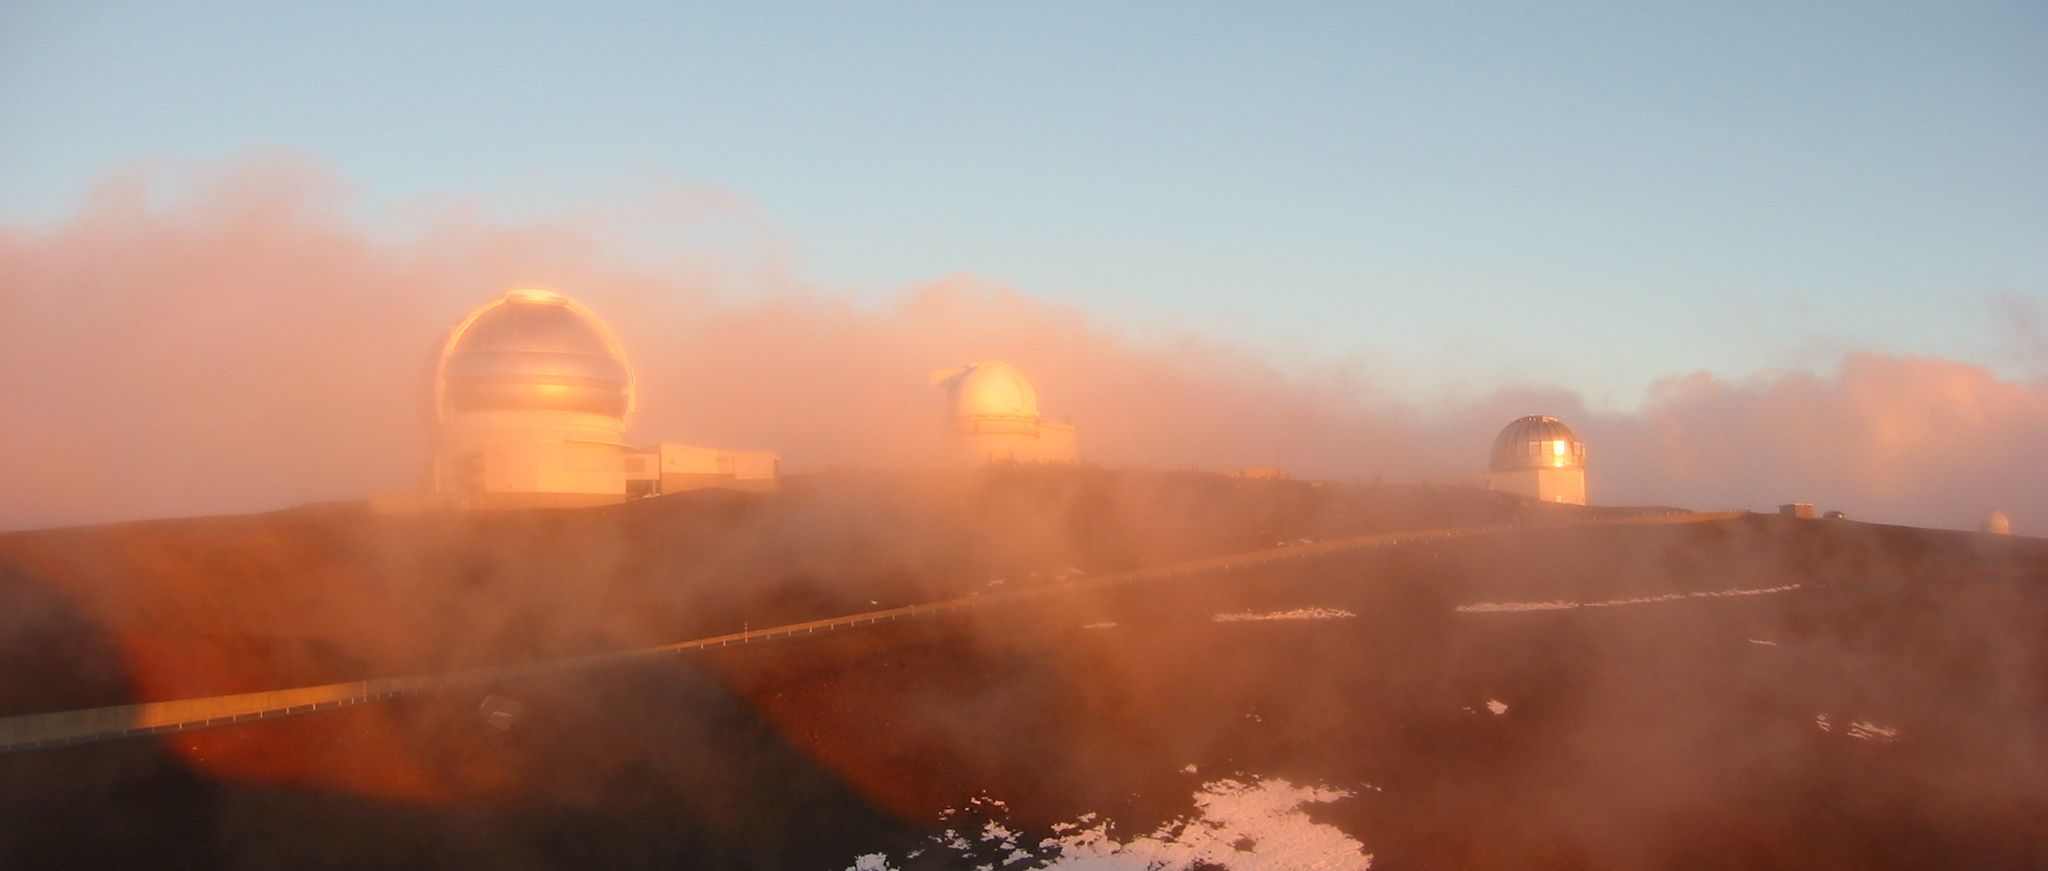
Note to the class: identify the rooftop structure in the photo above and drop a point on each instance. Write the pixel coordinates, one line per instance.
(532, 393)
(993, 418)
(1537, 442)
(1539, 457)
(533, 350)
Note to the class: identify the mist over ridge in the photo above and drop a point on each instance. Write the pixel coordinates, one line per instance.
(245, 345)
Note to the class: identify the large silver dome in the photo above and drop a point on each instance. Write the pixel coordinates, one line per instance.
(1537, 442)
(533, 351)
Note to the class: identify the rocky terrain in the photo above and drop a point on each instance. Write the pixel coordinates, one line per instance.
(1755, 691)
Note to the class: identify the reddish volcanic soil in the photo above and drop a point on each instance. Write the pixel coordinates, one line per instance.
(1738, 693)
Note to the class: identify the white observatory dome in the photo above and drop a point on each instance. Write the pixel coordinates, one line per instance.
(1997, 523)
(532, 350)
(992, 390)
(1537, 442)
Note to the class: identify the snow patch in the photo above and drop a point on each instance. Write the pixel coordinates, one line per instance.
(1106, 624)
(1862, 730)
(1560, 605)
(1497, 706)
(1236, 823)
(1763, 642)
(1296, 614)
(995, 831)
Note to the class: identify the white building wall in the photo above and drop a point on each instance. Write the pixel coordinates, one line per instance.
(485, 458)
(988, 441)
(1567, 486)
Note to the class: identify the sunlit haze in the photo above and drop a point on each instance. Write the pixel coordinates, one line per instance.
(1756, 254)
(1057, 436)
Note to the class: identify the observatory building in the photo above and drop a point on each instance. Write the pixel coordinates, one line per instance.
(531, 398)
(1541, 458)
(993, 418)
(1997, 523)
(532, 394)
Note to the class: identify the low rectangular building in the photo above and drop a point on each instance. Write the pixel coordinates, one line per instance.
(673, 468)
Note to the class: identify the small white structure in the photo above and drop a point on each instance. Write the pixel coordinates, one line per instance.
(532, 394)
(993, 418)
(1541, 458)
(1997, 523)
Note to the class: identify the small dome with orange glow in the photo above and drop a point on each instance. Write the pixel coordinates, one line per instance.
(992, 389)
(1537, 442)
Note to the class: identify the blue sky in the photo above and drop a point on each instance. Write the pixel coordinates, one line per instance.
(1589, 196)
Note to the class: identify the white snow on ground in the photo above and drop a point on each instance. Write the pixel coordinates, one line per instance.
(1490, 607)
(1861, 729)
(1237, 824)
(1763, 642)
(1103, 625)
(871, 862)
(1244, 824)
(1296, 614)
(1497, 706)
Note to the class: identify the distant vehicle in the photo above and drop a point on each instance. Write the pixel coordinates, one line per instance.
(1834, 515)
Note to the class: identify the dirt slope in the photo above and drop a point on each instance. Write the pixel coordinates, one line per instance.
(1749, 692)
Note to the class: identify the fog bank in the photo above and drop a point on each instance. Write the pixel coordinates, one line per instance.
(245, 344)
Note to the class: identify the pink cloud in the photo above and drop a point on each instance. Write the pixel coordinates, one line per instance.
(243, 345)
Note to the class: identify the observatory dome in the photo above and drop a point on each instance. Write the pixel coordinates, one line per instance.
(1537, 442)
(532, 350)
(993, 389)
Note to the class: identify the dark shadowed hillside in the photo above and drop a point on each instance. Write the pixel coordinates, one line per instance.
(1732, 693)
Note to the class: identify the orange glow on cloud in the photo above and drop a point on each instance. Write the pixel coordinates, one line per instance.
(245, 346)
